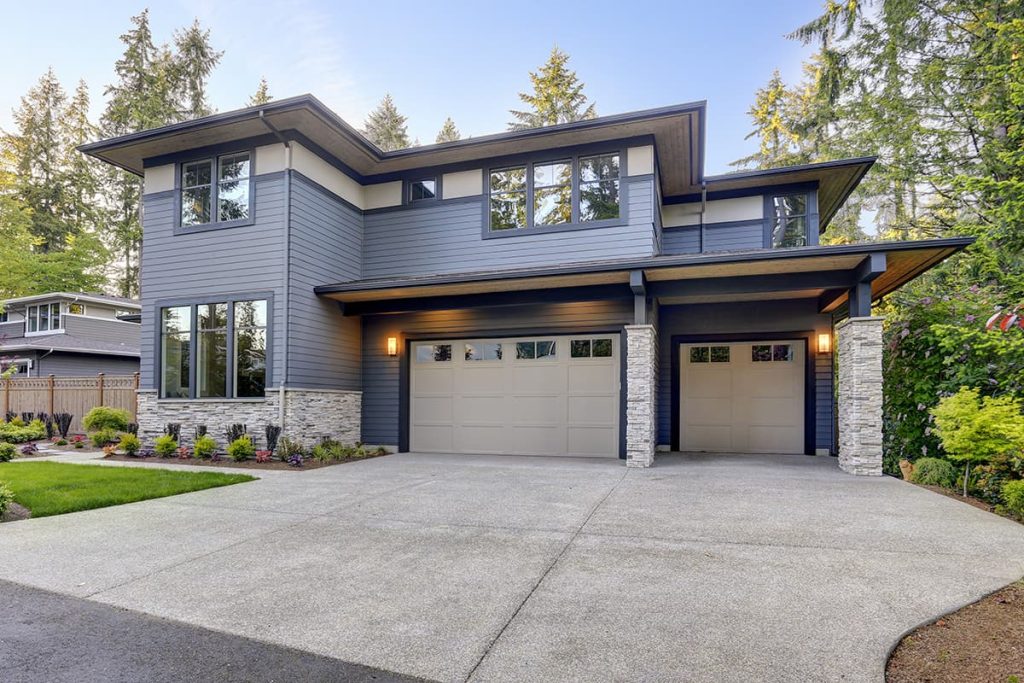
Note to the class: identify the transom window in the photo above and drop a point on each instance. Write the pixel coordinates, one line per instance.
(76, 309)
(789, 220)
(551, 193)
(433, 353)
(709, 354)
(214, 350)
(42, 318)
(420, 190)
(590, 348)
(209, 197)
(534, 350)
(483, 351)
(768, 353)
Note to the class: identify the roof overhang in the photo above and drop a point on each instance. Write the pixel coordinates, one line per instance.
(677, 132)
(804, 272)
(72, 296)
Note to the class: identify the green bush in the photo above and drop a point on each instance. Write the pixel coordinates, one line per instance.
(104, 437)
(241, 449)
(329, 449)
(165, 446)
(204, 447)
(16, 431)
(102, 417)
(6, 452)
(934, 472)
(130, 444)
(1013, 498)
(6, 498)
(287, 447)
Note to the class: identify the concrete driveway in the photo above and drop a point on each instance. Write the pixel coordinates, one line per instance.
(507, 568)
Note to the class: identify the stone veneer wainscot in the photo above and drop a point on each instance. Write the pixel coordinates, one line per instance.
(860, 395)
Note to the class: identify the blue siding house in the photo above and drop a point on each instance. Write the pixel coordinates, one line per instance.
(576, 290)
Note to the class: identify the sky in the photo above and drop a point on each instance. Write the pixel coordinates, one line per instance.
(467, 60)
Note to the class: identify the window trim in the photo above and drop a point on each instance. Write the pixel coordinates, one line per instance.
(573, 156)
(810, 194)
(214, 224)
(50, 328)
(193, 303)
(407, 190)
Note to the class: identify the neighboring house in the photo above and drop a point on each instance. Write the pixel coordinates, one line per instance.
(69, 334)
(582, 289)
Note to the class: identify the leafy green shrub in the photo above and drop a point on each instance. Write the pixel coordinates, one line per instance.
(165, 446)
(104, 437)
(102, 417)
(975, 429)
(1013, 498)
(204, 447)
(16, 431)
(287, 447)
(6, 452)
(6, 498)
(934, 472)
(241, 449)
(130, 444)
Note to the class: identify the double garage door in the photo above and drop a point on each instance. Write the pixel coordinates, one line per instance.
(742, 398)
(543, 395)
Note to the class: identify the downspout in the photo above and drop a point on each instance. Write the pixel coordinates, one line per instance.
(703, 208)
(286, 262)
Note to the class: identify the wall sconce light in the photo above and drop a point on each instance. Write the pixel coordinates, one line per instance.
(824, 343)
(392, 346)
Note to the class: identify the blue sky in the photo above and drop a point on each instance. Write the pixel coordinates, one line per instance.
(461, 59)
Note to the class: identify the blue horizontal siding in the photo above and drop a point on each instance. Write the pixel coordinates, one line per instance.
(717, 236)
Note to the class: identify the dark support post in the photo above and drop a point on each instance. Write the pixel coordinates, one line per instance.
(860, 300)
(101, 387)
(638, 283)
(50, 383)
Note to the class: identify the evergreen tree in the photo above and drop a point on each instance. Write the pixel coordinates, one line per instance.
(557, 96)
(385, 127)
(83, 176)
(262, 94)
(773, 126)
(448, 132)
(194, 60)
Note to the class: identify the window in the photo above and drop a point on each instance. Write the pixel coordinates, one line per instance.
(590, 348)
(229, 193)
(42, 318)
(483, 351)
(214, 350)
(420, 190)
(433, 353)
(533, 350)
(789, 220)
(76, 309)
(3, 317)
(765, 353)
(709, 354)
(553, 193)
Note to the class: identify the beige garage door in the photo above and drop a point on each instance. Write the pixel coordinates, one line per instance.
(525, 395)
(742, 398)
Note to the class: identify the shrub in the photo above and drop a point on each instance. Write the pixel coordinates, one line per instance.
(165, 446)
(6, 452)
(16, 431)
(104, 437)
(103, 417)
(1013, 497)
(130, 444)
(173, 430)
(263, 456)
(295, 460)
(109, 451)
(184, 452)
(934, 472)
(273, 433)
(241, 449)
(286, 448)
(204, 446)
(6, 498)
(236, 432)
(63, 421)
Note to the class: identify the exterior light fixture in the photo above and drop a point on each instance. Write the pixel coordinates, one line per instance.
(392, 346)
(824, 343)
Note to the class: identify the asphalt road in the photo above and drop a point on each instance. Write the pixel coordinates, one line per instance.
(53, 638)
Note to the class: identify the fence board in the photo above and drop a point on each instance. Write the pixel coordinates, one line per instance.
(75, 395)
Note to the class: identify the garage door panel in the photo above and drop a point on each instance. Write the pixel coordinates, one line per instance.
(710, 438)
(710, 384)
(602, 441)
(433, 409)
(478, 439)
(773, 439)
(771, 412)
(539, 440)
(479, 410)
(537, 377)
(480, 380)
(431, 438)
(591, 376)
(709, 411)
(432, 380)
(537, 410)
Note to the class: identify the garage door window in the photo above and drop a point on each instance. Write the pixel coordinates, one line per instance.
(433, 353)
(591, 348)
(767, 353)
(535, 350)
(483, 351)
(709, 354)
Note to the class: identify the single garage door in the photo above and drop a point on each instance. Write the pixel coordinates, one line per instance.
(556, 395)
(742, 398)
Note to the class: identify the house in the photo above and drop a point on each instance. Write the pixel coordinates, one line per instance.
(577, 290)
(69, 334)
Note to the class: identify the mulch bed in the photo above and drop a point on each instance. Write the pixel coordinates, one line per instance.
(980, 643)
(309, 464)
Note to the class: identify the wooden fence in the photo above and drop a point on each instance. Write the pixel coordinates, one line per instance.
(75, 395)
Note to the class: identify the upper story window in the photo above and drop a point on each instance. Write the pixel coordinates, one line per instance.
(42, 318)
(551, 193)
(76, 309)
(789, 220)
(215, 190)
(4, 317)
(420, 190)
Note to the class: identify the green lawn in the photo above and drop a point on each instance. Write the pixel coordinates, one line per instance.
(52, 488)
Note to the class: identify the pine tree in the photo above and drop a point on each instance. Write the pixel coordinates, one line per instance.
(82, 173)
(194, 60)
(448, 132)
(385, 127)
(262, 94)
(557, 96)
(777, 141)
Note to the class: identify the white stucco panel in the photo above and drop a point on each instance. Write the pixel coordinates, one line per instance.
(462, 184)
(640, 160)
(718, 211)
(319, 171)
(383, 194)
(269, 159)
(158, 179)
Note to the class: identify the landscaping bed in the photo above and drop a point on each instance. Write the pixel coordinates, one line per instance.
(273, 464)
(983, 642)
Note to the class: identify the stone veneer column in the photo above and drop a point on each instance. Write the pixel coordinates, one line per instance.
(860, 395)
(641, 394)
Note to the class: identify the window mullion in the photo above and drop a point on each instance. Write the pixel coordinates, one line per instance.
(574, 191)
(529, 195)
(193, 341)
(214, 190)
(232, 361)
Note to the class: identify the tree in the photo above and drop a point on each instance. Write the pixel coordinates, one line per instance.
(386, 127)
(773, 127)
(557, 96)
(193, 62)
(448, 132)
(262, 94)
